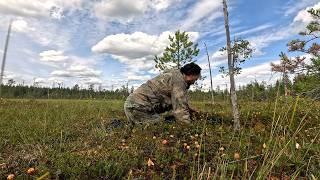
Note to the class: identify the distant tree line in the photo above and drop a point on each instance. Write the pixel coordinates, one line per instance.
(303, 85)
(20, 91)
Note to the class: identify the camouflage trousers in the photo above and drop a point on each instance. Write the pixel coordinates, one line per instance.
(137, 114)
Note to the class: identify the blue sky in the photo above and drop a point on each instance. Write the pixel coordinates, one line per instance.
(111, 42)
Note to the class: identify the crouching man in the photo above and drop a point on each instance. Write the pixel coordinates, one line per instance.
(165, 92)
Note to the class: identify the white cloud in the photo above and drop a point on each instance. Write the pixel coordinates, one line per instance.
(298, 24)
(136, 50)
(9, 75)
(37, 8)
(137, 44)
(144, 63)
(207, 9)
(119, 9)
(139, 77)
(40, 80)
(52, 56)
(35, 20)
(75, 70)
(127, 10)
(61, 73)
(43, 32)
(261, 72)
(20, 25)
(293, 6)
(254, 30)
(88, 72)
(55, 80)
(51, 35)
(304, 16)
(219, 56)
(25, 8)
(18, 77)
(134, 45)
(136, 71)
(216, 59)
(70, 68)
(264, 40)
(92, 81)
(56, 13)
(162, 4)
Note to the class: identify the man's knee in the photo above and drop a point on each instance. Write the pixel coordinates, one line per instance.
(140, 117)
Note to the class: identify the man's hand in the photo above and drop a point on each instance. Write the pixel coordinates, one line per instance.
(194, 113)
(193, 110)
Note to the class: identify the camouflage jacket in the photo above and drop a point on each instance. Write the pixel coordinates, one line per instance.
(165, 92)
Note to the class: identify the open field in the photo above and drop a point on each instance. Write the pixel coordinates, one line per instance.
(69, 139)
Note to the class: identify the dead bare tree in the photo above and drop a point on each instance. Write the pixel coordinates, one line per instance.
(5, 54)
(212, 96)
(234, 103)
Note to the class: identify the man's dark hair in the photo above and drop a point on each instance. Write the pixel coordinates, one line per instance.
(190, 69)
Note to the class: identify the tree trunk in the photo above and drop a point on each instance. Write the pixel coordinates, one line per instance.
(252, 93)
(285, 84)
(233, 94)
(285, 80)
(5, 54)
(212, 97)
(178, 41)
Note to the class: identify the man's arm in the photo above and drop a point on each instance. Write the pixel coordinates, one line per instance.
(192, 110)
(180, 105)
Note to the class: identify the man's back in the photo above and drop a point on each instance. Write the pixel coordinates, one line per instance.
(164, 92)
